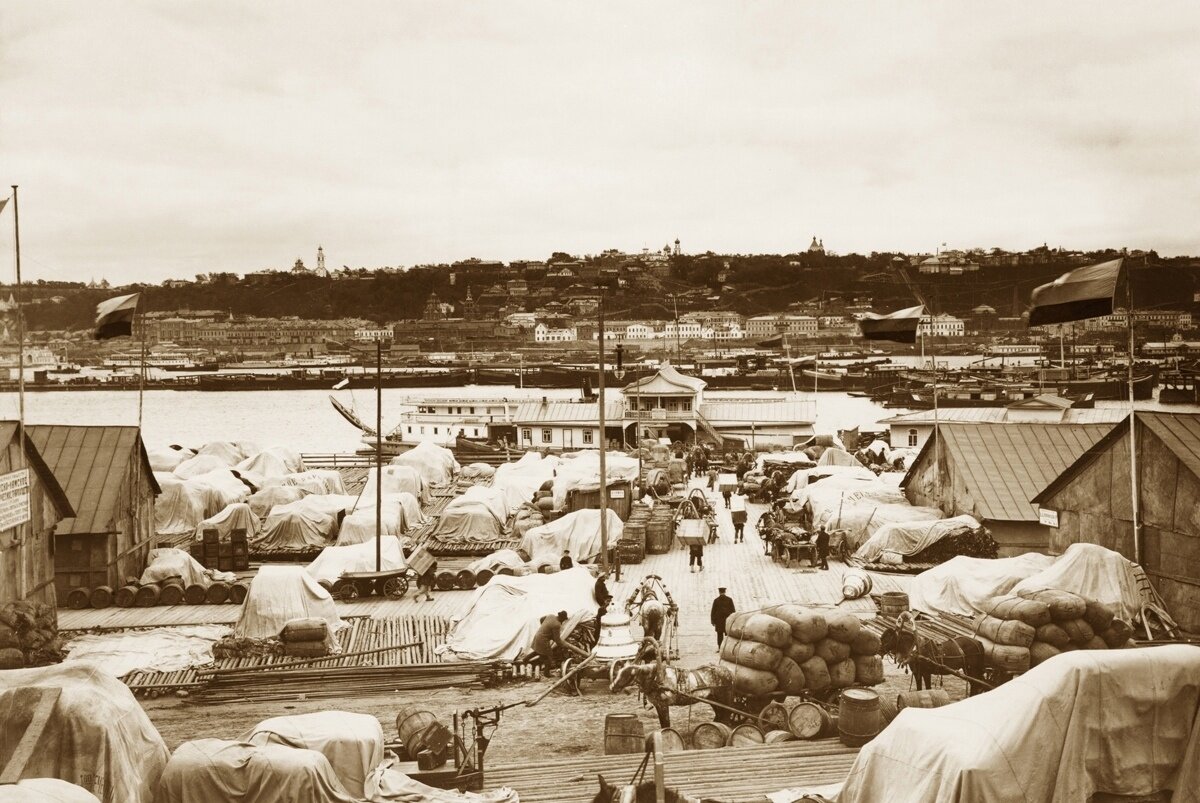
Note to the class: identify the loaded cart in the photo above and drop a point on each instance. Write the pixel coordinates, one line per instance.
(391, 583)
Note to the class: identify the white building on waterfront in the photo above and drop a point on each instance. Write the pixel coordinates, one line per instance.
(941, 326)
(544, 334)
(783, 323)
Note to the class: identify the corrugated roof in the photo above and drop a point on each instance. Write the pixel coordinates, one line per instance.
(90, 463)
(997, 415)
(558, 412)
(8, 432)
(1004, 466)
(780, 412)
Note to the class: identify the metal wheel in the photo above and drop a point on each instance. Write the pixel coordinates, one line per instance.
(344, 590)
(393, 587)
(573, 682)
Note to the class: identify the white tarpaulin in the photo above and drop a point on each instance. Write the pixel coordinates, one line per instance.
(582, 472)
(264, 466)
(163, 649)
(1123, 722)
(317, 480)
(966, 586)
(294, 527)
(491, 498)
(396, 479)
(211, 770)
(200, 464)
(1092, 572)
(909, 538)
(500, 559)
(579, 532)
(353, 743)
(388, 785)
(237, 516)
(45, 790)
(501, 618)
(359, 526)
(97, 737)
(335, 560)
(227, 452)
(436, 464)
(521, 479)
(167, 460)
(179, 508)
(837, 457)
(264, 501)
(165, 562)
(219, 489)
(845, 475)
(279, 594)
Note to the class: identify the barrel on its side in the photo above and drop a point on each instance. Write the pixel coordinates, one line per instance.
(465, 579)
(146, 596)
(171, 592)
(773, 717)
(710, 736)
(623, 733)
(101, 597)
(483, 576)
(926, 698)
(855, 584)
(217, 593)
(79, 598)
(124, 596)
(775, 737)
(238, 592)
(859, 720)
(445, 580)
(809, 720)
(893, 603)
(195, 594)
(745, 735)
(672, 740)
(412, 725)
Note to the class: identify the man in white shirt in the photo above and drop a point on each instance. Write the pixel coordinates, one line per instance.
(737, 510)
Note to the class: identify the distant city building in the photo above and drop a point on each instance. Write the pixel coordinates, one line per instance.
(1167, 319)
(941, 326)
(772, 325)
(545, 334)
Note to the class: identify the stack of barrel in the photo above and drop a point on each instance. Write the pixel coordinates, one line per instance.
(633, 537)
(658, 531)
(170, 591)
(424, 738)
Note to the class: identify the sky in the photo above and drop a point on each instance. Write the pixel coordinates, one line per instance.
(157, 140)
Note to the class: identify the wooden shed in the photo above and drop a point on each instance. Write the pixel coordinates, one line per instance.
(31, 503)
(993, 472)
(106, 475)
(1092, 503)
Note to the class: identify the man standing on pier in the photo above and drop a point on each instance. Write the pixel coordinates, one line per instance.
(822, 541)
(722, 607)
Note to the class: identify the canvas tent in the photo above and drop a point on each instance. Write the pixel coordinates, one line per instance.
(207, 770)
(279, 594)
(353, 743)
(579, 532)
(97, 736)
(1122, 722)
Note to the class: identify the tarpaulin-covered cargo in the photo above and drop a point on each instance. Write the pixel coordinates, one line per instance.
(165, 562)
(360, 525)
(578, 532)
(97, 735)
(1094, 573)
(436, 464)
(581, 471)
(1122, 722)
(397, 479)
(966, 586)
(501, 618)
(279, 594)
(492, 498)
(264, 501)
(317, 481)
(909, 538)
(264, 466)
(179, 508)
(478, 515)
(219, 488)
(837, 457)
(160, 649)
(520, 480)
(200, 464)
(294, 527)
(353, 743)
(167, 460)
(235, 516)
(227, 452)
(209, 770)
(336, 560)
(45, 790)
(804, 477)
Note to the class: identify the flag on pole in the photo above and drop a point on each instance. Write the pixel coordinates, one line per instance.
(899, 326)
(114, 317)
(1082, 293)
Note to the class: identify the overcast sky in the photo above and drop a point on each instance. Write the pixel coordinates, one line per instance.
(165, 139)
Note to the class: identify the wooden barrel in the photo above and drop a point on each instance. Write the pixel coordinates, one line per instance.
(773, 717)
(888, 708)
(465, 579)
(238, 592)
(809, 720)
(195, 594)
(146, 596)
(623, 733)
(859, 720)
(483, 576)
(855, 584)
(710, 735)
(658, 536)
(102, 597)
(171, 592)
(547, 569)
(672, 740)
(926, 698)
(79, 598)
(745, 735)
(775, 737)
(893, 603)
(217, 593)
(412, 723)
(445, 580)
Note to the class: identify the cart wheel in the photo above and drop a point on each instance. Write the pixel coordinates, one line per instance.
(394, 587)
(614, 668)
(344, 590)
(365, 588)
(573, 683)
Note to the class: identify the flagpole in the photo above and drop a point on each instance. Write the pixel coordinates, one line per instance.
(142, 371)
(20, 333)
(1133, 465)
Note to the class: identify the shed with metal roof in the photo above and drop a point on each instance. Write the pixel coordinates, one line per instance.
(1091, 502)
(106, 475)
(993, 471)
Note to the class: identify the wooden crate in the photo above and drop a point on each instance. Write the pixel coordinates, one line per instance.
(420, 560)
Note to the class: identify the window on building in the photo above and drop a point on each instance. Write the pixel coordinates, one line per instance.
(422, 430)
(472, 409)
(410, 429)
(912, 437)
(527, 435)
(475, 432)
(546, 436)
(435, 430)
(588, 436)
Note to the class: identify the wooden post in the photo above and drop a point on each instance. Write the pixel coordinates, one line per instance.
(660, 785)
(603, 447)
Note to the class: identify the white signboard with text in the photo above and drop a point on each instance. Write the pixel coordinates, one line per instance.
(14, 499)
(1048, 517)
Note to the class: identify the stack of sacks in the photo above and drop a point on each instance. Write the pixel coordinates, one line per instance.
(789, 649)
(28, 635)
(527, 518)
(1020, 631)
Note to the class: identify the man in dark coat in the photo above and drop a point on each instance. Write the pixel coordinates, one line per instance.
(822, 541)
(722, 607)
(602, 598)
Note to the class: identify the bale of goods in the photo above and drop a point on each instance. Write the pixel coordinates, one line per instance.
(465, 579)
(547, 569)
(807, 626)
(842, 674)
(751, 682)
(866, 643)
(855, 584)
(1095, 643)
(31, 629)
(9, 637)
(1078, 630)
(623, 734)
(843, 627)
(809, 721)
(1116, 634)
(775, 737)
(750, 654)
(832, 651)
(146, 596)
(102, 597)
(1012, 632)
(773, 717)
(306, 649)
(217, 593)
(816, 674)
(926, 698)
(11, 658)
(1013, 660)
(171, 592)
(868, 670)
(1052, 634)
(859, 720)
(800, 651)
(238, 592)
(893, 603)
(78, 598)
(670, 740)
(125, 596)
(1063, 605)
(195, 594)
(745, 735)
(760, 627)
(445, 580)
(1041, 651)
(1030, 611)
(307, 629)
(1098, 614)
(791, 676)
(710, 736)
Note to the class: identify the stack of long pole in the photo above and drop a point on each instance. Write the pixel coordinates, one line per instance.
(265, 684)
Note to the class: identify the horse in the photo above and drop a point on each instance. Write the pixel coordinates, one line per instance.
(651, 616)
(665, 686)
(927, 657)
(642, 793)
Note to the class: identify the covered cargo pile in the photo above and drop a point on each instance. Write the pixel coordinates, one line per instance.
(474, 523)
(791, 649)
(207, 770)
(578, 532)
(279, 594)
(28, 634)
(918, 544)
(236, 516)
(352, 743)
(581, 472)
(334, 561)
(1123, 722)
(435, 464)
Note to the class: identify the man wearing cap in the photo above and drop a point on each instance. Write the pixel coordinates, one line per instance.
(722, 607)
(549, 636)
